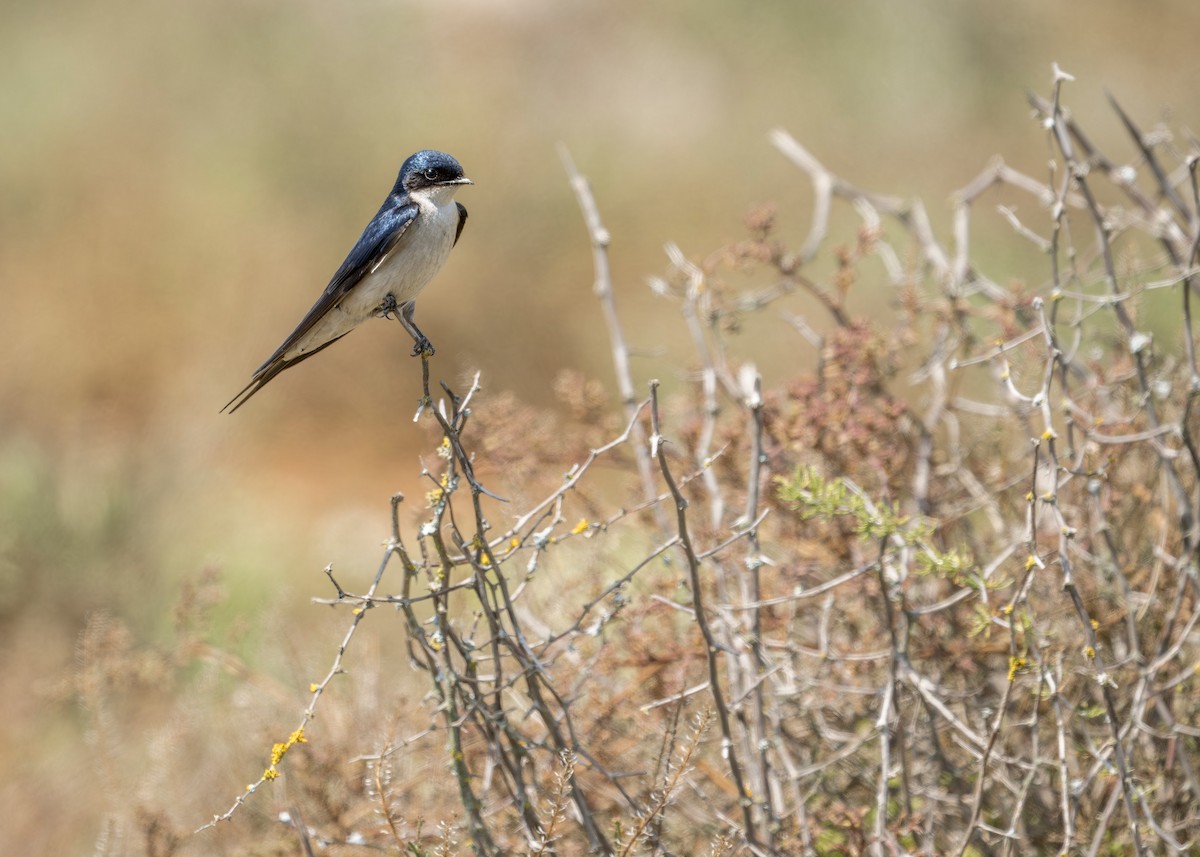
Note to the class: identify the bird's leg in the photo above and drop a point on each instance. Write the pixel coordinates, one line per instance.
(404, 314)
(421, 343)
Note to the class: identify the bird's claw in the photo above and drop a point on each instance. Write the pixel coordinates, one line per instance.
(387, 307)
(422, 348)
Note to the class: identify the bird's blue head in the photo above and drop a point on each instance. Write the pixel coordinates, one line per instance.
(428, 169)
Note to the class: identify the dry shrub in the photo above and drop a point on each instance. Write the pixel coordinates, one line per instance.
(937, 593)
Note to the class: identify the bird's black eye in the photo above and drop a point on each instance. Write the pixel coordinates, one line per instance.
(431, 174)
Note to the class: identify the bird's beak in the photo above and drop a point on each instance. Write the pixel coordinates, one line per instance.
(463, 180)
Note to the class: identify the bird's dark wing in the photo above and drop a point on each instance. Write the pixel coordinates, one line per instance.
(462, 221)
(378, 239)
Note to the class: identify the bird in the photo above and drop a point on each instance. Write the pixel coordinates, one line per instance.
(399, 252)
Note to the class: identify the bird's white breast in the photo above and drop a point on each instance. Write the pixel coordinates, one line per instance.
(403, 273)
(413, 262)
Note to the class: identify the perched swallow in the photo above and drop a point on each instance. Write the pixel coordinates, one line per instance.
(400, 251)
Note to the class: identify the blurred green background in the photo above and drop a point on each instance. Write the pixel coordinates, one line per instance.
(179, 180)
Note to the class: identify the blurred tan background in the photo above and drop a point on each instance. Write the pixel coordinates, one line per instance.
(179, 180)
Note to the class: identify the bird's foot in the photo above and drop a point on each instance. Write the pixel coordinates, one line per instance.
(386, 308)
(422, 347)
